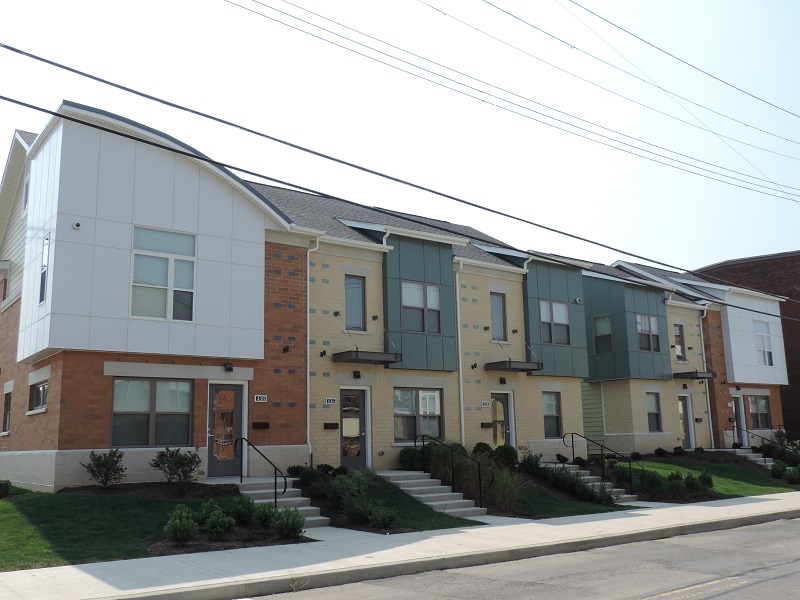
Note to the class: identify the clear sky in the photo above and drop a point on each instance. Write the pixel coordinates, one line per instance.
(483, 143)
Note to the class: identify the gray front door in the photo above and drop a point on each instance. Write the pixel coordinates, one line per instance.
(224, 428)
(354, 432)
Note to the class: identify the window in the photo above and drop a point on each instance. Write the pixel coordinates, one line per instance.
(38, 397)
(763, 343)
(555, 322)
(354, 303)
(417, 412)
(647, 330)
(653, 412)
(163, 275)
(680, 348)
(498, 302)
(602, 335)
(421, 307)
(759, 412)
(551, 405)
(6, 424)
(149, 412)
(43, 272)
(4, 289)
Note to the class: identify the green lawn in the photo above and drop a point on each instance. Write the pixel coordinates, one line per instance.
(545, 505)
(413, 513)
(730, 480)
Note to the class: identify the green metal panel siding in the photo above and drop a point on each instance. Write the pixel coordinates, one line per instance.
(412, 259)
(434, 352)
(415, 351)
(432, 262)
(558, 284)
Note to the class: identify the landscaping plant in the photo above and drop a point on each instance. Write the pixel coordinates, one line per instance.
(180, 467)
(181, 526)
(289, 523)
(778, 469)
(264, 515)
(242, 509)
(218, 524)
(5, 488)
(105, 468)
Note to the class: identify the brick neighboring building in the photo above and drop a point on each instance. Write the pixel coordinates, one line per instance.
(777, 274)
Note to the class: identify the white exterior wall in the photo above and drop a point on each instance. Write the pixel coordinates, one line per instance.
(110, 184)
(740, 342)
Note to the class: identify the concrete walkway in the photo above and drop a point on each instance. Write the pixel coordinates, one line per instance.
(344, 556)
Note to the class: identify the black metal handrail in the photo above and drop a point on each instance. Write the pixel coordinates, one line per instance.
(733, 428)
(276, 470)
(453, 452)
(603, 450)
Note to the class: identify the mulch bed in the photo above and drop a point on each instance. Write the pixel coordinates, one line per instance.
(157, 489)
(242, 537)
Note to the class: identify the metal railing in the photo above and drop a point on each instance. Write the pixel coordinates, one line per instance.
(276, 470)
(603, 451)
(453, 452)
(735, 428)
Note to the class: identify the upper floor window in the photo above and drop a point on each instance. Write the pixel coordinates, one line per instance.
(38, 397)
(602, 335)
(680, 347)
(653, 412)
(647, 332)
(555, 322)
(763, 344)
(759, 412)
(163, 274)
(43, 272)
(421, 307)
(354, 305)
(498, 306)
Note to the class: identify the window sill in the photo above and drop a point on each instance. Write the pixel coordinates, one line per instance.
(36, 411)
(402, 444)
(355, 331)
(3, 433)
(501, 342)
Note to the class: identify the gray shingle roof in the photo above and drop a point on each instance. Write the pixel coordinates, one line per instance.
(27, 136)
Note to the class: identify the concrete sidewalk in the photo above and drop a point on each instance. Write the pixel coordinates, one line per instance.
(344, 556)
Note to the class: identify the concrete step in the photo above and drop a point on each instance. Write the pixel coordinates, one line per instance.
(431, 493)
(627, 498)
(406, 484)
(440, 497)
(259, 494)
(434, 489)
(317, 521)
(393, 476)
(466, 512)
(260, 483)
(448, 505)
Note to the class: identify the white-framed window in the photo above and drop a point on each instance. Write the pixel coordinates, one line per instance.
(551, 406)
(6, 423)
(555, 322)
(498, 309)
(759, 412)
(602, 335)
(680, 342)
(151, 412)
(163, 274)
(653, 412)
(647, 332)
(422, 310)
(417, 412)
(38, 397)
(44, 268)
(354, 303)
(763, 343)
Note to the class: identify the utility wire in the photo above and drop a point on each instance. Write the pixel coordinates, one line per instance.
(207, 160)
(684, 62)
(510, 110)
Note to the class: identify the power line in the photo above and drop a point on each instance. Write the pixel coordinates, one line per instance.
(684, 62)
(220, 164)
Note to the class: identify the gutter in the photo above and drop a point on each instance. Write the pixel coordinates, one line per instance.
(705, 381)
(460, 354)
(308, 353)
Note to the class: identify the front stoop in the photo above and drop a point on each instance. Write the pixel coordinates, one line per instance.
(262, 489)
(620, 494)
(432, 493)
(755, 457)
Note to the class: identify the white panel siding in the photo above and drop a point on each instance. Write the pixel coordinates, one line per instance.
(116, 177)
(181, 338)
(110, 234)
(213, 294)
(154, 185)
(247, 297)
(147, 336)
(76, 276)
(112, 289)
(248, 253)
(68, 331)
(214, 248)
(213, 341)
(216, 211)
(247, 342)
(108, 334)
(248, 221)
(80, 159)
(187, 189)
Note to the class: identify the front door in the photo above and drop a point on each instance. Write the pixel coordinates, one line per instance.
(354, 432)
(686, 428)
(501, 420)
(738, 408)
(224, 428)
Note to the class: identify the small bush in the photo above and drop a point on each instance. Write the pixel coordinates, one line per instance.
(676, 488)
(755, 448)
(792, 475)
(482, 448)
(562, 459)
(736, 445)
(581, 462)
(309, 476)
(288, 523)
(325, 468)
(207, 508)
(620, 475)
(357, 510)
(651, 482)
(340, 470)
(611, 463)
(660, 451)
(636, 456)
(294, 470)
(242, 509)
(531, 463)
(778, 469)
(5, 488)
(180, 527)
(425, 458)
(706, 480)
(699, 450)
(353, 484)
(264, 515)
(678, 451)
(383, 517)
(692, 485)
(675, 476)
(106, 468)
(180, 467)
(218, 524)
(505, 456)
(506, 490)
(408, 459)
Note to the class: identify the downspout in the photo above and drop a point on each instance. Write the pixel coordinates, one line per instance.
(527, 345)
(705, 381)
(308, 353)
(460, 357)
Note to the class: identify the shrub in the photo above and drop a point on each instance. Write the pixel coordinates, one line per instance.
(620, 475)
(425, 458)
(288, 523)
(218, 524)
(562, 459)
(676, 488)
(242, 509)
(106, 468)
(408, 459)
(340, 470)
(675, 476)
(581, 462)
(179, 467)
(309, 476)
(294, 470)
(678, 451)
(530, 463)
(572, 483)
(180, 527)
(651, 482)
(383, 517)
(636, 456)
(506, 489)
(350, 485)
(778, 469)
(325, 468)
(792, 475)
(5, 488)
(692, 485)
(207, 508)
(505, 456)
(660, 451)
(264, 515)
(357, 510)
(706, 480)
(611, 463)
(482, 448)
(699, 450)
(736, 445)
(755, 448)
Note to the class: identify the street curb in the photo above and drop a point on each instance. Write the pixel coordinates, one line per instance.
(267, 585)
